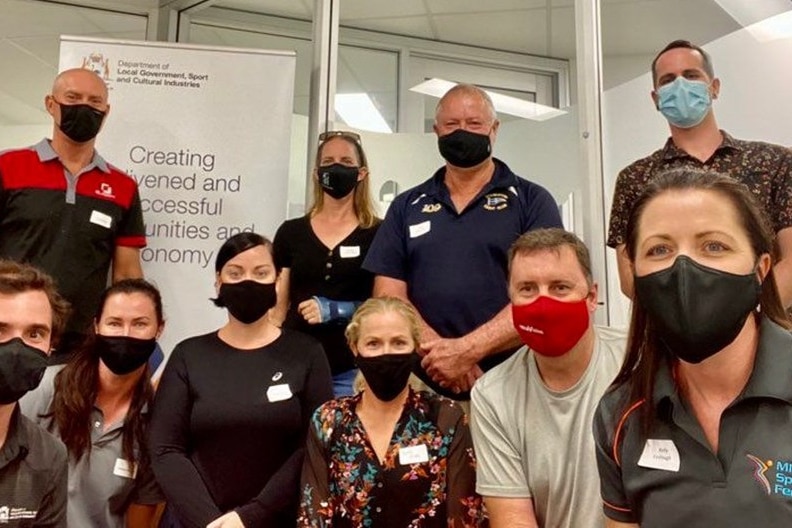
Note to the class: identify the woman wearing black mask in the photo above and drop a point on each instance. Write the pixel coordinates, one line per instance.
(233, 406)
(98, 406)
(695, 431)
(389, 456)
(321, 253)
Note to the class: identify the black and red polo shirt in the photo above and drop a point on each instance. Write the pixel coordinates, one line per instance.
(67, 224)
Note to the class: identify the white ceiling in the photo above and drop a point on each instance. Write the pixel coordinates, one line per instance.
(636, 29)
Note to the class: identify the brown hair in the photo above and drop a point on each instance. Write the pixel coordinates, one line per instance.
(706, 61)
(77, 386)
(19, 278)
(645, 353)
(552, 238)
(362, 201)
(383, 305)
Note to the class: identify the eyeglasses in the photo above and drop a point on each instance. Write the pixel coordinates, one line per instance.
(330, 134)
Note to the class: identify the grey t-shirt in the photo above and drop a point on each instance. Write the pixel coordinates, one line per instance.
(102, 484)
(535, 443)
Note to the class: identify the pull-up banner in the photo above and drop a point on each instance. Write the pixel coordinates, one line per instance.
(205, 132)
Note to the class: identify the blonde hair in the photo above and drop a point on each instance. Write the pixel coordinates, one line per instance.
(362, 202)
(469, 90)
(383, 305)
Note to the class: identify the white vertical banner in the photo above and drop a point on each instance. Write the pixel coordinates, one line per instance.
(205, 131)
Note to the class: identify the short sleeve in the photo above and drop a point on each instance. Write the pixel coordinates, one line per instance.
(147, 491)
(131, 231)
(500, 471)
(281, 247)
(620, 210)
(614, 498)
(36, 403)
(388, 252)
(541, 210)
(781, 215)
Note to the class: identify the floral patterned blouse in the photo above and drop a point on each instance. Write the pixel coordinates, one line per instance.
(427, 479)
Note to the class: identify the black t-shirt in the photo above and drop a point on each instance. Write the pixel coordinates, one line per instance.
(316, 270)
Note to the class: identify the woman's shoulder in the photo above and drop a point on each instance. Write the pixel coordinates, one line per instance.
(293, 225)
(444, 412)
(294, 341)
(330, 415)
(197, 344)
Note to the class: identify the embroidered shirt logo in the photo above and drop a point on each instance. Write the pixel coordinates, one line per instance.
(760, 468)
(105, 190)
(431, 208)
(10, 513)
(496, 201)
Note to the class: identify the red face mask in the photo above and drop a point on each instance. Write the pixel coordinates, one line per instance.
(551, 327)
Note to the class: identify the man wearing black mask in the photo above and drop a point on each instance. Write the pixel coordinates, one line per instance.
(66, 210)
(443, 245)
(33, 463)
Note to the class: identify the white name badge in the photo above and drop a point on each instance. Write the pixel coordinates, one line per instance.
(276, 393)
(417, 230)
(99, 218)
(125, 468)
(660, 454)
(349, 251)
(413, 455)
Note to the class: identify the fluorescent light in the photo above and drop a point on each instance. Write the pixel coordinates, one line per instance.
(358, 111)
(503, 103)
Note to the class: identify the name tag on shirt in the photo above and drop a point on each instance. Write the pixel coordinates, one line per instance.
(276, 393)
(99, 218)
(349, 251)
(125, 468)
(413, 455)
(422, 228)
(660, 454)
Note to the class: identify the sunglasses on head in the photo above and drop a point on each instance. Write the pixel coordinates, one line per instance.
(324, 136)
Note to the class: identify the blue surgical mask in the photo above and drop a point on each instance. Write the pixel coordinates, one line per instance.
(684, 103)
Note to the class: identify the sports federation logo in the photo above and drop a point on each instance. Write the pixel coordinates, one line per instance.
(760, 468)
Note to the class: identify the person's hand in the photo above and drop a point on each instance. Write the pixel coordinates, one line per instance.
(229, 520)
(449, 362)
(309, 310)
(465, 384)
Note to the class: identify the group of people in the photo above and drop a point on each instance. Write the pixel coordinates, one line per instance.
(440, 367)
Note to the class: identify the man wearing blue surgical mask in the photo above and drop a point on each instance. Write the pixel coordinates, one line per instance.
(684, 89)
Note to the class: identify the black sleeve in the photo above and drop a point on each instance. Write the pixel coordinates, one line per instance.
(281, 492)
(168, 443)
(52, 512)
(281, 251)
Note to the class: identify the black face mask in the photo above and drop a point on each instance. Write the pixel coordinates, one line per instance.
(386, 375)
(248, 300)
(697, 310)
(80, 122)
(123, 354)
(338, 180)
(21, 369)
(464, 149)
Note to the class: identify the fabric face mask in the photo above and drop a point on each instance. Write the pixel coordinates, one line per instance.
(386, 375)
(338, 180)
(697, 310)
(80, 122)
(684, 103)
(248, 300)
(551, 327)
(123, 354)
(21, 369)
(464, 149)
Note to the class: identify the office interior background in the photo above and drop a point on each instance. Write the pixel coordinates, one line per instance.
(580, 69)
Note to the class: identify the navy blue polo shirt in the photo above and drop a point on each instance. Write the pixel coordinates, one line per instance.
(455, 263)
(681, 481)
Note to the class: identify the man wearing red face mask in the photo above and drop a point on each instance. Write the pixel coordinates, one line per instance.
(532, 415)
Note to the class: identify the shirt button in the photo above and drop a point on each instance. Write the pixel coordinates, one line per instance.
(327, 277)
(329, 264)
(330, 253)
(379, 485)
(379, 509)
(97, 424)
